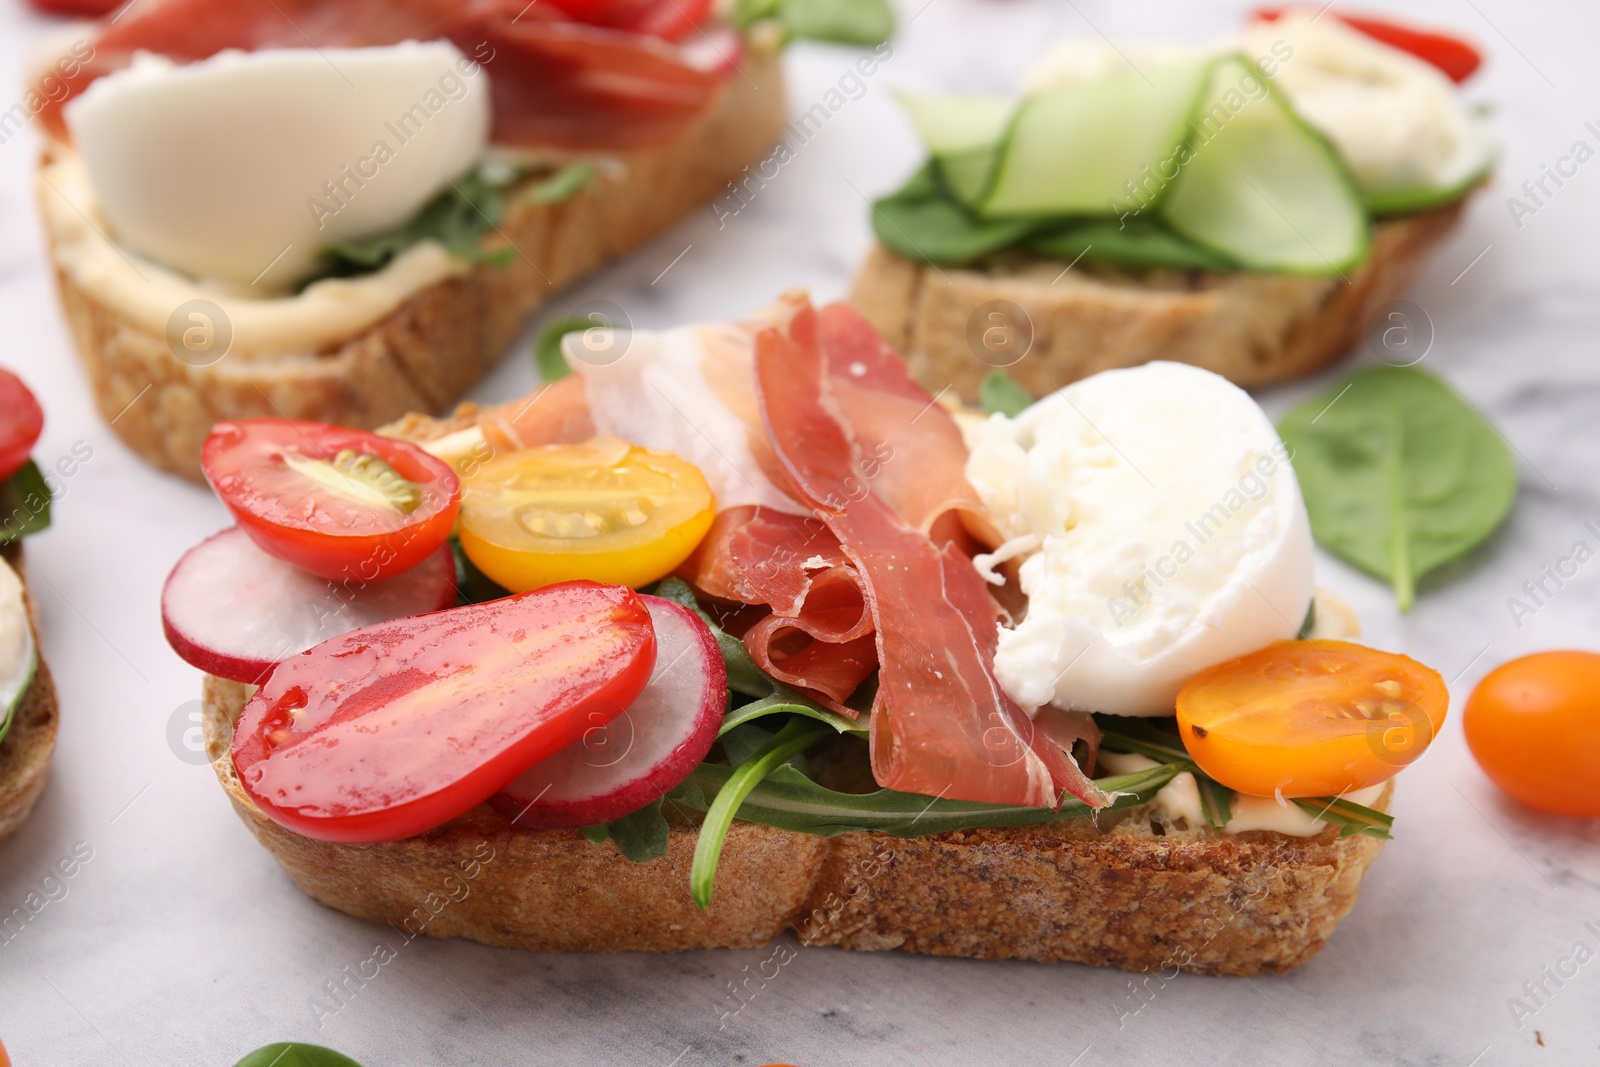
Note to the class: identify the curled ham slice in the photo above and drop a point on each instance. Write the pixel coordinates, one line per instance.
(941, 725)
(557, 82)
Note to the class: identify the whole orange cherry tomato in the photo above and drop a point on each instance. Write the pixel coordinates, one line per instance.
(1534, 727)
(1310, 718)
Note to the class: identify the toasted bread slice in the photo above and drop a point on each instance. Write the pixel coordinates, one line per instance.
(1131, 889)
(26, 751)
(1252, 328)
(444, 336)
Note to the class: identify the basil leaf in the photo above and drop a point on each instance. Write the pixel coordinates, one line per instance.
(924, 223)
(1137, 244)
(294, 1054)
(459, 218)
(743, 674)
(789, 800)
(25, 501)
(1000, 393)
(563, 185)
(792, 740)
(863, 22)
(1352, 819)
(1400, 474)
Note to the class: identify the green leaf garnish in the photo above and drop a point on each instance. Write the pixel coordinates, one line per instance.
(1351, 818)
(744, 676)
(472, 585)
(640, 837)
(1000, 393)
(564, 184)
(1125, 733)
(924, 223)
(785, 701)
(1310, 622)
(25, 501)
(1216, 800)
(792, 740)
(1400, 474)
(861, 22)
(294, 1054)
(460, 219)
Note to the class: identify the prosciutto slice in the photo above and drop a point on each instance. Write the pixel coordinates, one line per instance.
(557, 82)
(941, 725)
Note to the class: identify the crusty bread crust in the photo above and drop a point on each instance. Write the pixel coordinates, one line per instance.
(1135, 892)
(1252, 328)
(445, 337)
(26, 751)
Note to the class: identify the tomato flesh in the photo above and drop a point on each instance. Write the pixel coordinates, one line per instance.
(1534, 727)
(342, 504)
(605, 510)
(1310, 718)
(667, 19)
(388, 731)
(21, 422)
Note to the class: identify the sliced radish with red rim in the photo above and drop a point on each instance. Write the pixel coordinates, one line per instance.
(619, 767)
(235, 612)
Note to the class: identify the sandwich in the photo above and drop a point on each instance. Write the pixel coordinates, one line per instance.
(28, 711)
(1249, 207)
(346, 211)
(735, 628)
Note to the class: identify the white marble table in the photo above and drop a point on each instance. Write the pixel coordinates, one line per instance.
(182, 943)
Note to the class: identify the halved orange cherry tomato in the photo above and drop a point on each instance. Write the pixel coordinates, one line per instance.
(342, 504)
(604, 510)
(21, 422)
(394, 729)
(1310, 718)
(1534, 727)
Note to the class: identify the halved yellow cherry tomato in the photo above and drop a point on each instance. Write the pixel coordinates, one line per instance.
(1310, 718)
(605, 510)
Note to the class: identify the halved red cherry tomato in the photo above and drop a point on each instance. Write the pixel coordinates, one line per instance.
(342, 504)
(1310, 718)
(391, 730)
(667, 19)
(1534, 727)
(1455, 57)
(21, 422)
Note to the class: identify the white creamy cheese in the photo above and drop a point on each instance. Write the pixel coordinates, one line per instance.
(1161, 530)
(1179, 800)
(18, 657)
(244, 166)
(1397, 121)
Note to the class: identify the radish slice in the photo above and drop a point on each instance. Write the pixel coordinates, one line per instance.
(235, 612)
(620, 767)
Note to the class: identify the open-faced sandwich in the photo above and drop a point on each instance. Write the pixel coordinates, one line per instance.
(28, 711)
(1244, 207)
(344, 210)
(736, 628)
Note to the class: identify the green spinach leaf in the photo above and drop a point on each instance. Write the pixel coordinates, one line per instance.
(1400, 474)
(862, 22)
(458, 218)
(25, 501)
(294, 1054)
(563, 185)
(999, 392)
(923, 222)
(1137, 244)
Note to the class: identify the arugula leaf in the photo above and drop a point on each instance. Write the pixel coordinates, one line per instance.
(1137, 244)
(787, 799)
(743, 674)
(24, 503)
(1000, 392)
(547, 357)
(862, 22)
(563, 185)
(924, 223)
(1216, 800)
(1125, 733)
(642, 836)
(1351, 818)
(1400, 474)
(459, 218)
(785, 701)
(294, 1054)
(792, 740)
